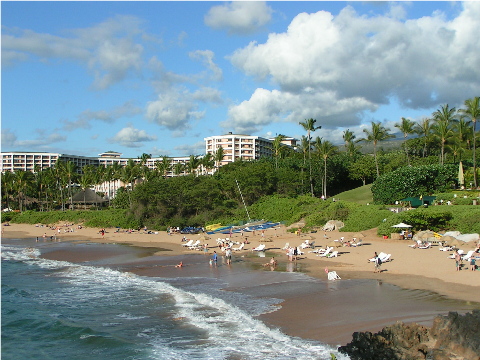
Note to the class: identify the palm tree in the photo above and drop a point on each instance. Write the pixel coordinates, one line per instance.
(325, 149)
(472, 112)
(377, 133)
(167, 165)
(277, 148)
(407, 128)
(22, 181)
(86, 180)
(8, 178)
(218, 157)
(179, 168)
(193, 164)
(70, 170)
(309, 126)
(59, 177)
(462, 130)
(444, 119)
(208, 162)
(424, 128)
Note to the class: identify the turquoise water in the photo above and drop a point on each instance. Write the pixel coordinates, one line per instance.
(60, 310)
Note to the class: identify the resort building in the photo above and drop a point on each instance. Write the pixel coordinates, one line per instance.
(235, 147)
(30, 161)
(245, 147)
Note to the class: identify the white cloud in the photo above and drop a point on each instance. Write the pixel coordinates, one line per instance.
(191, 149)
(333, 68)
(239, 17)
(108, 49)
(84, 120)
(131, 137)
(266, 107)
(171, 110)
(43, 141)
(206, 57)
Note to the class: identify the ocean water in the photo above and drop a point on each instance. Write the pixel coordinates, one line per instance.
(60, 310)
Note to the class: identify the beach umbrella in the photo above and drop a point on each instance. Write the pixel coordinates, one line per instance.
(461, 178)
(455, 242)
(427, 235)
(402, 225)
(335, 243)
(448, 238)
(358, 235)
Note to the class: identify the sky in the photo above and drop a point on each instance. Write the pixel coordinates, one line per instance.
(158, 77)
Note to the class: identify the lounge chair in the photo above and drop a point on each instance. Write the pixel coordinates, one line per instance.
(287, 245)
(383, 257)
(318, 251)
(194, 245)
(446, 248)
(238, 248)
(189, 243)
(332, 275)
(333, 254)
(468, 255)
(425, 246)
(299, 251)
(260, 247)
(326, 252)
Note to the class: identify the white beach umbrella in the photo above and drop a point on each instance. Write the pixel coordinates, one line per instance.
(402, 225)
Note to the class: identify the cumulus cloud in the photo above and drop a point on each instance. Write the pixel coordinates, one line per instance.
(266, 107)
(338, 67)
(109, 49)
(171, 110)
(239, 17)
(131, 137)
(85, 118)
(43, 141)
(206, 57)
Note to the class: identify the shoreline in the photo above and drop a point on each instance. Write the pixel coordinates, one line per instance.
(352, 264)
(428, 269)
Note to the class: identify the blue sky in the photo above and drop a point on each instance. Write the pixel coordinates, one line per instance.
(158, 77)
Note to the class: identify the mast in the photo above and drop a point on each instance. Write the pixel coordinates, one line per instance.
(241, 195)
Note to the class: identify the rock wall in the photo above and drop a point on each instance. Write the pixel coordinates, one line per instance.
(451, 337)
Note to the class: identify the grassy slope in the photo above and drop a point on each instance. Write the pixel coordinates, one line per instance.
(361, 195)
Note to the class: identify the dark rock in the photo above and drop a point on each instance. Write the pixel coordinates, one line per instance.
(451, 337)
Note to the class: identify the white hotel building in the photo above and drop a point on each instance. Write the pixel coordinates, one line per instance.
(235, 147)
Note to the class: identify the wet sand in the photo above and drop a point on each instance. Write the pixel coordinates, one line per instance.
(411, 290)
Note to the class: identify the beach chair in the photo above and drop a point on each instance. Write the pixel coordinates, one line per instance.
(332, 275)
(333, 254)
(318, 251)
(425, 246)
(287, 245)
(194, 245)
(238, 248)
(189, 243)
(446, 248)
(329, 249)
(468, 255)
(260, 247)
(299, 251)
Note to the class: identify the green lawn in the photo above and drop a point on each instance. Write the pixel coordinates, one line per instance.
(361, 195)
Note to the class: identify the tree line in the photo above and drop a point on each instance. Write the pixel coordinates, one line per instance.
(317, 167)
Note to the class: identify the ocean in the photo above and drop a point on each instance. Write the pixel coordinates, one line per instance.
(99, 310)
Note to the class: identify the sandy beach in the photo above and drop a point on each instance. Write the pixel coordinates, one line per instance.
(423, 269)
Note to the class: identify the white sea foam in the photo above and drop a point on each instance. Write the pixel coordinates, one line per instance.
(230, 332)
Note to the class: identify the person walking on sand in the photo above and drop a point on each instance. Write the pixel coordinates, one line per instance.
(377, 262)
(458, 261)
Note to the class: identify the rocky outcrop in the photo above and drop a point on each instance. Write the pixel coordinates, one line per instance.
(451, 337)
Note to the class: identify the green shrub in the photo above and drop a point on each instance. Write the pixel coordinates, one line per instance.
(412, 181)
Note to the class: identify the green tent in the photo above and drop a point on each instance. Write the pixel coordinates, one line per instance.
(420, 201)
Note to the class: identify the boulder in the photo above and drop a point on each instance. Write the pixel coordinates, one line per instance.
(451, 337)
